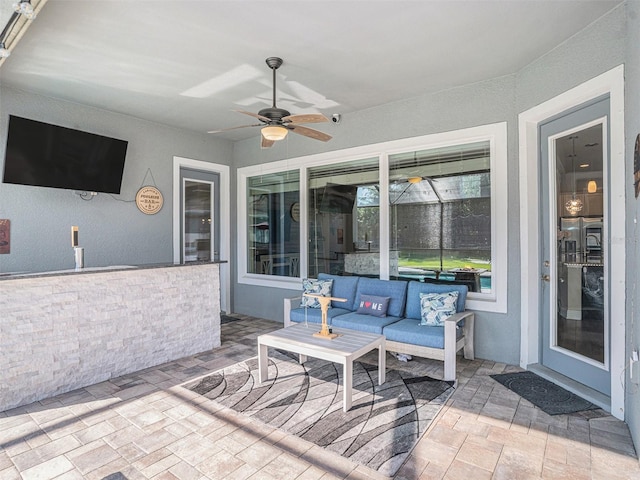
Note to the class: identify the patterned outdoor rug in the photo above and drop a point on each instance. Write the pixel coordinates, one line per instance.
(549, 397)
(379, 431)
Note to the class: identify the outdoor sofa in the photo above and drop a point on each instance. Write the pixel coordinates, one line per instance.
(401, 324)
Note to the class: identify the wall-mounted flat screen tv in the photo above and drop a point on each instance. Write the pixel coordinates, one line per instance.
(48, 155)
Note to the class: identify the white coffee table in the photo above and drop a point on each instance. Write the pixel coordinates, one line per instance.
(344, 349)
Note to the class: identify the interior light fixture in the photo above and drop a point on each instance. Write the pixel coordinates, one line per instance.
(583, 165)
(574, 205)
(274, 132)
(4, 51)
(24, 7)
(414, 179)
(592, 186)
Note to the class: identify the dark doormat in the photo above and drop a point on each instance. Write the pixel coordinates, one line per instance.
(547, 396)
(227, 318)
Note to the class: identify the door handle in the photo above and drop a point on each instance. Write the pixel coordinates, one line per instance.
(546, 277)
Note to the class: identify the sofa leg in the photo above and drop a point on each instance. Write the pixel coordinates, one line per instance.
(450, 368)
(449, 351)
(468, 338)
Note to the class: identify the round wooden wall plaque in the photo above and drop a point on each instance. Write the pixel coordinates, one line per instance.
(295, 212)
(149, 200)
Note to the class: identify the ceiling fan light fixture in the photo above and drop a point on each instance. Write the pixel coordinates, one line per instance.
(414, 179)
(274, 132)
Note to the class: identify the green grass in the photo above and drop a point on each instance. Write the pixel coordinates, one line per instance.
(447, 263)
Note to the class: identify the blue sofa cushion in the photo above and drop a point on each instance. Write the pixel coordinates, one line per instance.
(314, 315)
(410, 331)
(416, 288)
(363, 323)
(395, 289)
(343, 287)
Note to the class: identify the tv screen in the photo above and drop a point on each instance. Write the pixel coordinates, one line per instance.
(338, 198)
(48, 155)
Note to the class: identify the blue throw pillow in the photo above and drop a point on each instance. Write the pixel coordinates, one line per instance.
(435, 308)
(316, 287)
(372, 305)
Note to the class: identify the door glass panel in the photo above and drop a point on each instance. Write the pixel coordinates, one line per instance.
(198, 225)
(580, 319)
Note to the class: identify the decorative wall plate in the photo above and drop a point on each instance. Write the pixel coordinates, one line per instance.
(295, 212)
(149, 200)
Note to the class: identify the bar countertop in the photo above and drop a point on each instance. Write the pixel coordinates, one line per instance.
(111, 268)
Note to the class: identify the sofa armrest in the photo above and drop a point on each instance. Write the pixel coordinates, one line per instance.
(458, 317)
(290, 304)
(450, 341)
(467, 331)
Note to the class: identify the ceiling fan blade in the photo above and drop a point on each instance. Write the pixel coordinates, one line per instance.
(306, 118)
(255, 115)
(235, 128)
(309, 132)
(264, 143)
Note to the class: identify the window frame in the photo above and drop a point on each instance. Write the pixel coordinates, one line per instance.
(496, 134)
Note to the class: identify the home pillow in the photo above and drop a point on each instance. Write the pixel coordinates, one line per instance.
(316, 287)
(435, 308)
(372, 305)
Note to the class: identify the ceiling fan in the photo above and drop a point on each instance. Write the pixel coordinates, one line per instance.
(277, 122)
(412, 180)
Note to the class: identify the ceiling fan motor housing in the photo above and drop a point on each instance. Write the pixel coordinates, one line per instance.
(274, 114)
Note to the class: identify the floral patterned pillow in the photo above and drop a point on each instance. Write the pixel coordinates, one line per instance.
(435, 308)
(316, 287)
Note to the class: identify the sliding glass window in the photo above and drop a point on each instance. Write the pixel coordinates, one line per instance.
(440, 215)
(273, 224)
(344, 226)
(431, 208)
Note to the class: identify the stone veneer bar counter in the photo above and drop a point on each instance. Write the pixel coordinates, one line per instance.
(65, 330)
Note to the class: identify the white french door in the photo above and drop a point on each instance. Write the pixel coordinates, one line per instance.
(574, 223)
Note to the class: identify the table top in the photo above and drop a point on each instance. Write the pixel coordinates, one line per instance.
(467, 270)
(301, 335)
(315, 295)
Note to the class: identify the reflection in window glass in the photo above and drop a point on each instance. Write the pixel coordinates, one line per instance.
(197, 221)
(273, 224)
(440, 208)
(344, 232)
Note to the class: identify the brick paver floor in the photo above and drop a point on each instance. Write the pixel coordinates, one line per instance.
(145, 425)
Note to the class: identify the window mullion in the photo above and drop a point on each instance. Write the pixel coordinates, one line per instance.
(384, 215)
